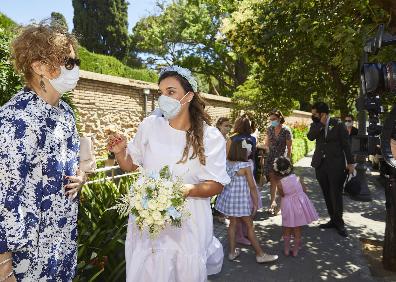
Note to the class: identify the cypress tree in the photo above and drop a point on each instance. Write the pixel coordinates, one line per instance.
(59, 19)
(102, 26)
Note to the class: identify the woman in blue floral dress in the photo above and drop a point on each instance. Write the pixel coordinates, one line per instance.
(39, 176)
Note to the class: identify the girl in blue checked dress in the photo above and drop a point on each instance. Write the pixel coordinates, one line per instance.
(235, 202)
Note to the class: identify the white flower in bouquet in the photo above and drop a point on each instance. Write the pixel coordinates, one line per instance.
(156, 201)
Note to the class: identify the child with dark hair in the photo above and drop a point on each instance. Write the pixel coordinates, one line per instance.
(297, 210)
(235, 202)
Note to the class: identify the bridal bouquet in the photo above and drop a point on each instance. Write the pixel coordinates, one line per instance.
(156, 201)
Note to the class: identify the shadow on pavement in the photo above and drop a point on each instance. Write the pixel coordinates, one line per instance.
(326, 256)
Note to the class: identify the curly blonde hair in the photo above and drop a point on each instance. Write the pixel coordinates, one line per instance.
(199, 117)
(42, 42)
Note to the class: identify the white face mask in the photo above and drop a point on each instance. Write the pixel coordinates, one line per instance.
(170, 107)
(348, 124)
(66, 81)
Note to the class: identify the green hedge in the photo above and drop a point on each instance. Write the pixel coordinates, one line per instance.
(109, 65)
(301, 145)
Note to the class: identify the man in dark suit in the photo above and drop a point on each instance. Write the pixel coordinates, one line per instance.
(331, 151)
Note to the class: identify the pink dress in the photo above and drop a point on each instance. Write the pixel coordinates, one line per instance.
(297, 209)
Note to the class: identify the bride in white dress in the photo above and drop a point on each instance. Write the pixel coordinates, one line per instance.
(178, 136)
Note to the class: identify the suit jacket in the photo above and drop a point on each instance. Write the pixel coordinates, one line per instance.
(334, 147)
(354, 131)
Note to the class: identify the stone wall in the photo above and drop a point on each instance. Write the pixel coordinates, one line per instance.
(104, 100)
(298, 117)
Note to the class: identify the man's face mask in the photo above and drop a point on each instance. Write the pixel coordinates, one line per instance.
(315, 118)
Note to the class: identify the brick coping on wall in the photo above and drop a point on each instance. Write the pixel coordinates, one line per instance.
(138, 83)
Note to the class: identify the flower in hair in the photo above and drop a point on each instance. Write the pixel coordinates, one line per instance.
(186, 73)
(282, 172)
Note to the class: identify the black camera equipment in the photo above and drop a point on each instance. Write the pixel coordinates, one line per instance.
(376, 80)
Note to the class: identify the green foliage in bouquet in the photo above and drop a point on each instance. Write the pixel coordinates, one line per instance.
(156, 201)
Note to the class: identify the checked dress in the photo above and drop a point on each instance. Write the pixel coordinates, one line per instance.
(235, 198)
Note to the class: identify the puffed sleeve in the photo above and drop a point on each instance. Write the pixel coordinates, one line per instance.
(19, 207)
(215, 152)
(136, 146)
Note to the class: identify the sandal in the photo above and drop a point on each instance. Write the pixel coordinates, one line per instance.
(236, 254)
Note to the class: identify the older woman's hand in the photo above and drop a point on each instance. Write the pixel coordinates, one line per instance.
(6, 272)
(116, 143)
(75, 185)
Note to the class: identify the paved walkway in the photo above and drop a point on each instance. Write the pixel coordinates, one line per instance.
(326, 256)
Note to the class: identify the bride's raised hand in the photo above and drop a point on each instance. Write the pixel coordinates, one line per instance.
(116, 143)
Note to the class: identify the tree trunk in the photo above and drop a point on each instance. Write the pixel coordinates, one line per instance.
(341, 94)
(390, 7)
(389, 252)
(241, 72)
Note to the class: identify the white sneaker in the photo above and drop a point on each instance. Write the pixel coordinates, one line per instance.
(266, 258)
(234, 255)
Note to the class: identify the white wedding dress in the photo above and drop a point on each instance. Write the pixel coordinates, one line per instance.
(183, 254)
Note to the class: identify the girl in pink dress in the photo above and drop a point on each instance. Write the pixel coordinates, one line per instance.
(297, 209)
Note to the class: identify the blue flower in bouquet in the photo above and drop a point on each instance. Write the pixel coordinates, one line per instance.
(174, 213)
(144, 202)
(156, 201)
(154, 175)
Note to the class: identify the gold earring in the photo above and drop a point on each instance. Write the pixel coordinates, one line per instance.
(42, 84)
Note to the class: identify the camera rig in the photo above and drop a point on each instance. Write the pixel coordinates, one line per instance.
(377, 79)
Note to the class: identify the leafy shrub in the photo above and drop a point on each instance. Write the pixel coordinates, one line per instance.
(109, 65)
(299, 149)
(10, 82)
(102, 232)
(301, 145)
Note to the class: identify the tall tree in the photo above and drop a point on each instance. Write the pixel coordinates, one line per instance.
(102, 26)
(187, 33)
(304, 50)
(59, 19)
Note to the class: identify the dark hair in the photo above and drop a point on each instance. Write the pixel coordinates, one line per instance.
(350, 116)
(321, 107)
(283, 167)
(243, 125)
(278, 114)
(253, 125)
(198, 117)
(221, 120)
(237, 153)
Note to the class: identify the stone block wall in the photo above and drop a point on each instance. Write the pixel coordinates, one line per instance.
(104, 100)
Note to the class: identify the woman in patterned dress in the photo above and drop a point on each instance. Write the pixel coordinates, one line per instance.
(278, 142)
(39, 176)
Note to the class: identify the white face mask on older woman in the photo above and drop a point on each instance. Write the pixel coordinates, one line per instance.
(67, 80)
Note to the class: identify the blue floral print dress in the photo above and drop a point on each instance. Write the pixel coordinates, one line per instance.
(39, 146)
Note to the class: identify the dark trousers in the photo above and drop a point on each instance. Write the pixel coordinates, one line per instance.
(331, 177)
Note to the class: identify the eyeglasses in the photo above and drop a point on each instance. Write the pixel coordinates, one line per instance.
(71, 62)
(348, 120)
